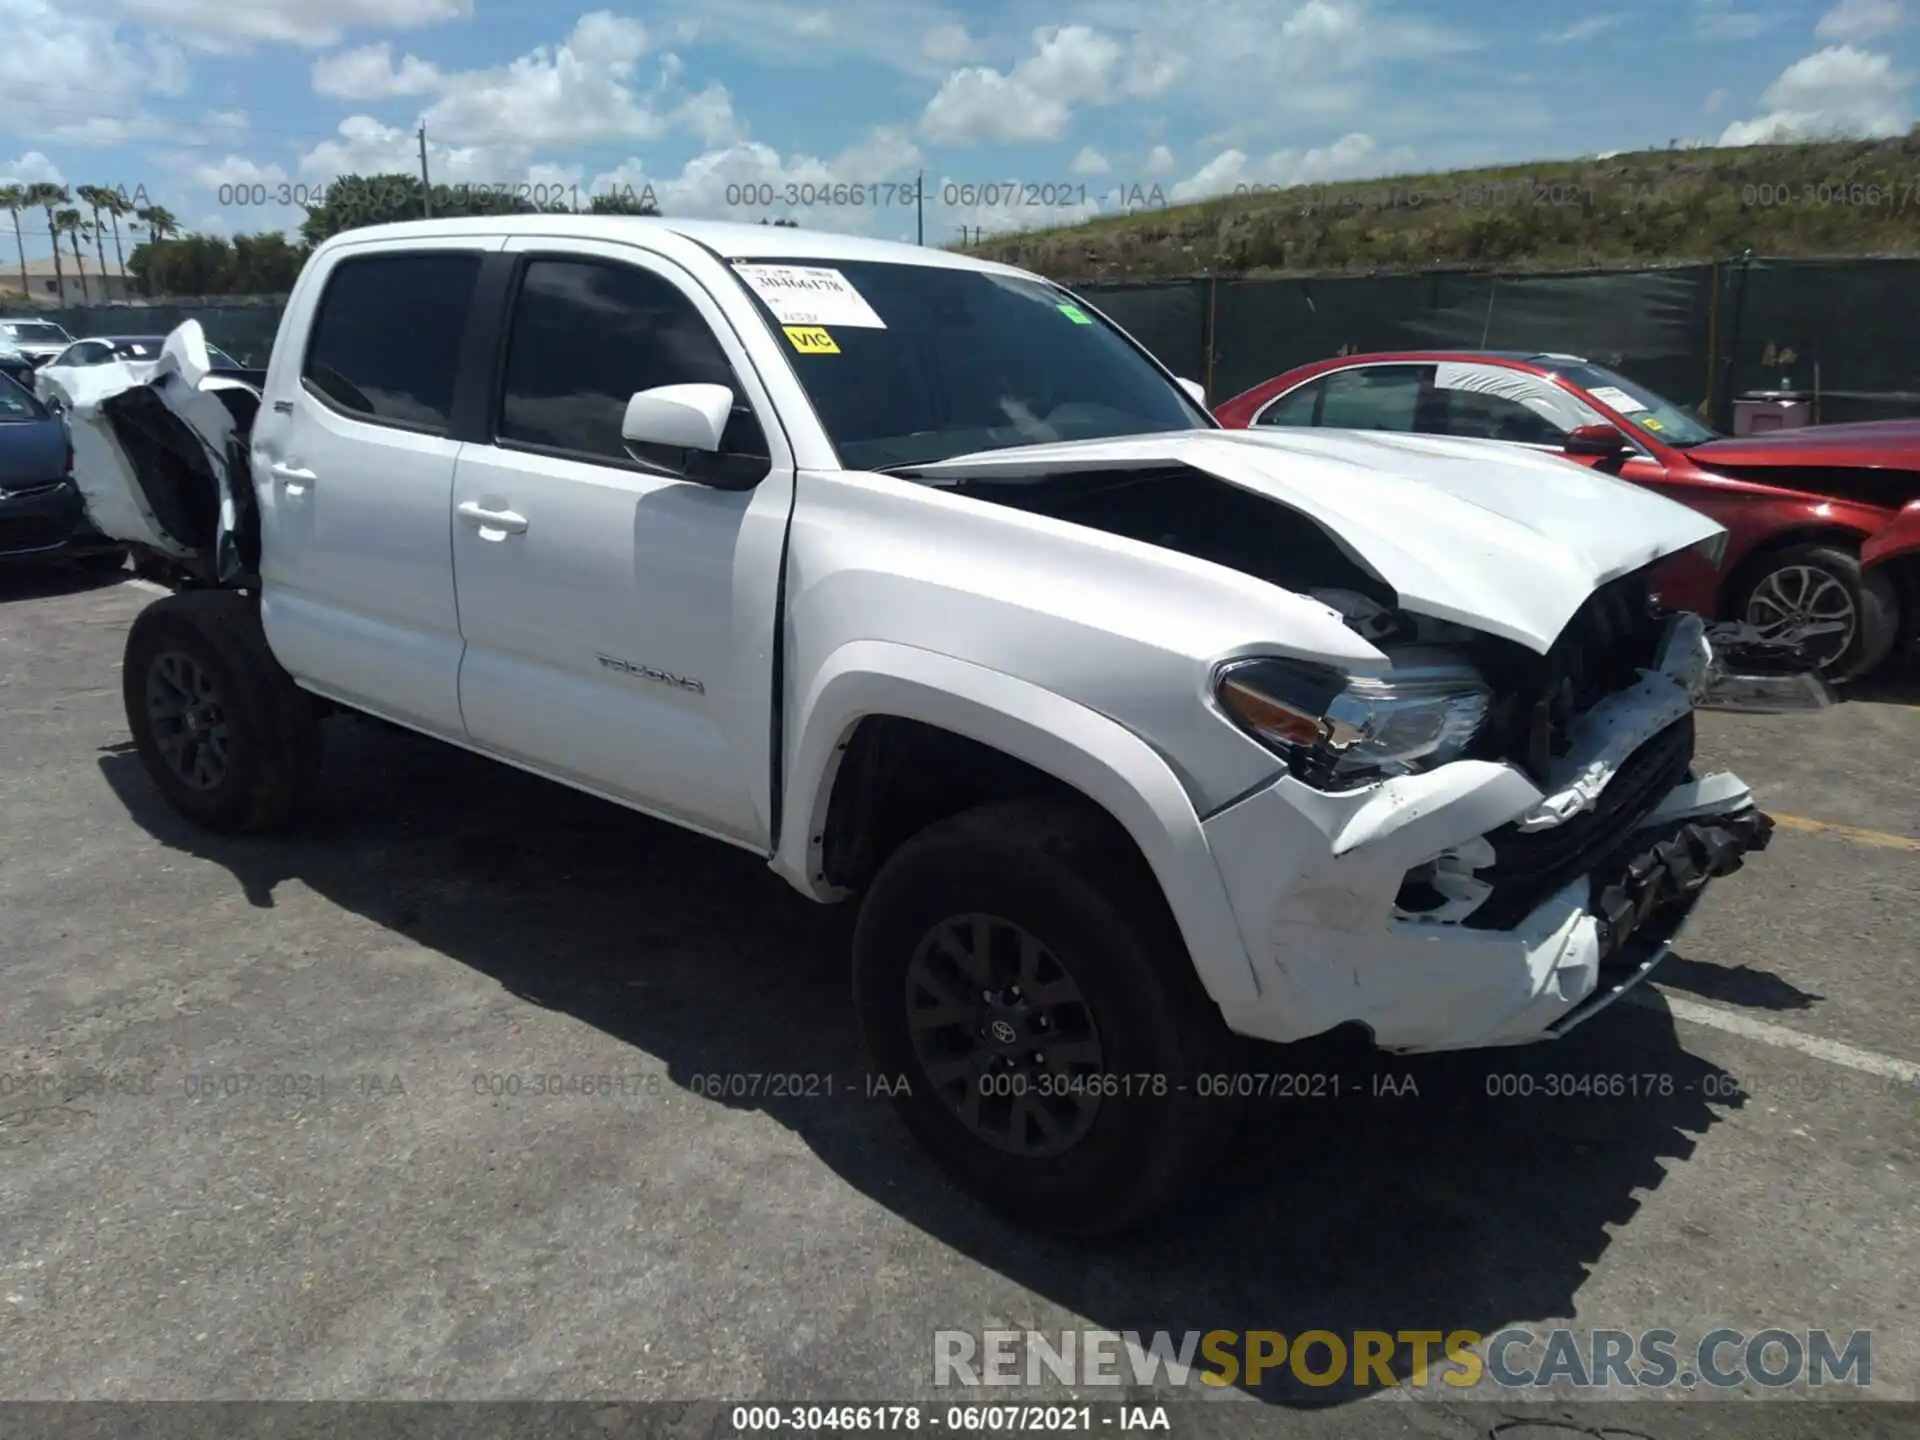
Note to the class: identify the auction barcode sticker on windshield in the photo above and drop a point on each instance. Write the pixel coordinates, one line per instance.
(1615, 398)
(809, 295)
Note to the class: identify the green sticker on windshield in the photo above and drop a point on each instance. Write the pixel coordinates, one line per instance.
(1075, 314)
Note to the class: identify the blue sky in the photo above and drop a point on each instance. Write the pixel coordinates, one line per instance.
(1085, 104)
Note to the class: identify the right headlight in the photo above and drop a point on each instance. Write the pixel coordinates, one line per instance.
(1338, 731)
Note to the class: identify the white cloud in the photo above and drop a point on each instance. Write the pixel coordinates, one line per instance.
(814, 22)
(735, 182)
(74, 78)
(580, 92)
(1090, 162)
(1591, 28)
(214, 223)
(167, 70)
(893, 33)
(1150, 73)
(369, 73)
(237, 171)
(364, 146)
(32, 168)
(222, 26)
(1721, 20)
(948, 45)
(1033, 102)
(1159, 161)
(1860, 20)
(1269, 63)
(1715, 102)
(1352, 156)
(1840, 90)
(709, 115)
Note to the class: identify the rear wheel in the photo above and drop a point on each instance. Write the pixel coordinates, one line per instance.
(224, 732)
(1016, 965)
(1815, 594)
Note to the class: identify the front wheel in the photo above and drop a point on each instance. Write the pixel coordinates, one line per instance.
(1016, 965)
(1845, 621)
(225, 734)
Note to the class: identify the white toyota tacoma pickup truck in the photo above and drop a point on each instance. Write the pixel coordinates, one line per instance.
(917, 577)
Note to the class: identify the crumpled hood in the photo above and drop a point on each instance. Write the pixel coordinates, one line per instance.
(1492, 536)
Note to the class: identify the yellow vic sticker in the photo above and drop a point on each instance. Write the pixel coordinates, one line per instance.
(811, 340)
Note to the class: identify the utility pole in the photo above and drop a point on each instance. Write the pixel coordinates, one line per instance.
(920, 209)
(426, 186)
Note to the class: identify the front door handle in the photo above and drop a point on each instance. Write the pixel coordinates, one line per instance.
(505, 521)
(296, 480)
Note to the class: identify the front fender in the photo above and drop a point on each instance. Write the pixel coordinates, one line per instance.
(1901, 538)
(1107, 763)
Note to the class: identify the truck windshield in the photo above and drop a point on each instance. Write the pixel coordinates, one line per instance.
(908, 364)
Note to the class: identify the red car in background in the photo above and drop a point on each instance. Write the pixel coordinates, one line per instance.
(1797, 504)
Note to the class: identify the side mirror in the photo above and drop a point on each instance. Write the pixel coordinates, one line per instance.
(1599, 440)
(680, 417)
(1195, 391)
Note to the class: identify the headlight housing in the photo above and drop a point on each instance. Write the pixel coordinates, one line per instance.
(1337, 731)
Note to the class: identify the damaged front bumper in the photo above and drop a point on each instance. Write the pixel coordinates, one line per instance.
(1469, 906)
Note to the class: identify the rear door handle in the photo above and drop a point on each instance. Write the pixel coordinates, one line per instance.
(477, 514)
(293, 477)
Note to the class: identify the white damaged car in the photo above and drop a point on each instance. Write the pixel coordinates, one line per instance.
(916, 577)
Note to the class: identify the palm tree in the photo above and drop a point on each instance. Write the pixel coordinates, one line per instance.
(159, 221)
(46, 195)
(116, 205)
(73, 225)
(13, 199)
(97, 198)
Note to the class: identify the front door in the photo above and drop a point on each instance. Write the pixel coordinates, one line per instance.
(619, 618)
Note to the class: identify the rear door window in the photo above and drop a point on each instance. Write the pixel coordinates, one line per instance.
(1379, 397)
(385, 345)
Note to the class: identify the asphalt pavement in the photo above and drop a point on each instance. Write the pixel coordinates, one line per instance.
(435, 1099)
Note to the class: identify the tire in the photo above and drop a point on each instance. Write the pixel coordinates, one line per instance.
(1874, 600)
(256, 724)
(1070, 880)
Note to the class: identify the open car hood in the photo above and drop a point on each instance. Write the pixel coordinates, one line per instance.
(1477, 532)
(160, 456)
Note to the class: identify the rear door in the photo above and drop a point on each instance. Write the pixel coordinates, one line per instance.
(353, 460)
(619, 617)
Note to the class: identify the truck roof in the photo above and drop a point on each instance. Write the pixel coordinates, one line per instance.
(729, 239)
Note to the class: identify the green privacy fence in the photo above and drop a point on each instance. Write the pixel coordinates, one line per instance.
(1699, 334)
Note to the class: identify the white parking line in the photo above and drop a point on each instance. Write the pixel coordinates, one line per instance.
(136, 583)
(1871, 1062)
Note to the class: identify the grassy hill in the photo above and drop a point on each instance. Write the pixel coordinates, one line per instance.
(1632, 210)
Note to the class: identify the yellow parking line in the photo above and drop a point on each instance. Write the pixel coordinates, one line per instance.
(1847, 832)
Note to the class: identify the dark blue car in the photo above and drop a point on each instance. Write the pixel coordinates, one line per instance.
(41, 512)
